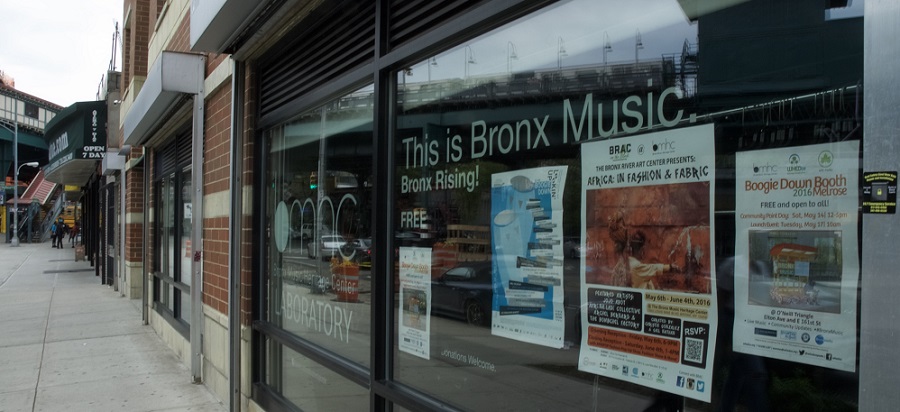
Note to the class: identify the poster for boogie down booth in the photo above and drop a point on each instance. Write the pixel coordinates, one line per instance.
(797, 266)
(648, 280)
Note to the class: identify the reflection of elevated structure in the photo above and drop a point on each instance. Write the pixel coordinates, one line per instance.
(686, 68)
(552, 84)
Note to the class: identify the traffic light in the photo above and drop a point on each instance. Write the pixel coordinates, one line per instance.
(313, 180)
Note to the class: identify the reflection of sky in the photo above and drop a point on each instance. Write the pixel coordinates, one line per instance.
(580, 27)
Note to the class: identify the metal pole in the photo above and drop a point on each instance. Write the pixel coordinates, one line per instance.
(15, 238)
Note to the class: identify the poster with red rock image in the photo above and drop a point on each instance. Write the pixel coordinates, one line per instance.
(648, 284)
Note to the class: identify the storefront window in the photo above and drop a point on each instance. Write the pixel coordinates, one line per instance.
(185, 247)
(311, 386)
(167, 237)
(173, 278)
(319, 235)
(633, 203)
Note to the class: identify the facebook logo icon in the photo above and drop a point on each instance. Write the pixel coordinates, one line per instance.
(679, 381)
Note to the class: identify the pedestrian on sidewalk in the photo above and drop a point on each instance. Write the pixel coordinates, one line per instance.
(74, 232)
(62, 230)
(53, 231)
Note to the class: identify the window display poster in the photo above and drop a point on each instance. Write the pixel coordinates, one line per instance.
(415, 301)
(797, 269)
(649, 310)
(527, 249)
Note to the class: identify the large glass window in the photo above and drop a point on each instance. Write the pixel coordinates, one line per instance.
(172, 278)
(633, 203)
(311, 386)
(318, 262)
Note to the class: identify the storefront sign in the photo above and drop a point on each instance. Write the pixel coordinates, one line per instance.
(76, 138)
(574, 121)
(527, 217)
(415, 301)
(796, 265)
(649, 312)
(313, 313)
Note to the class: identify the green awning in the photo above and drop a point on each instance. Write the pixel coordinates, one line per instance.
(76, 141)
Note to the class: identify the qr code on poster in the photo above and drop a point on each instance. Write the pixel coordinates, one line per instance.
(693, 350)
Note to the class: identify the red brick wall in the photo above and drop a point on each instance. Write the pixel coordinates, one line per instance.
(213, 61)
(134, 203)
(217, 156)
(217, 150)
(136, 41)
(181, 40)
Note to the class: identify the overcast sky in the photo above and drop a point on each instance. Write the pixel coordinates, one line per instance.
(59, 50)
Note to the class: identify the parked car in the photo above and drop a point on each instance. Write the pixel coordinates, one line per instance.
(306, 231)
(329, 245)
(464, 292)
(360, 251)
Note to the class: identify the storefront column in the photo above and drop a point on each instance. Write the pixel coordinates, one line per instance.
(879, 365)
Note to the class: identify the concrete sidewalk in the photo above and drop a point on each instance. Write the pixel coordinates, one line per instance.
(68, 343)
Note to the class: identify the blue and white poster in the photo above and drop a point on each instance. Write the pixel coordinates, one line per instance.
(527, 246)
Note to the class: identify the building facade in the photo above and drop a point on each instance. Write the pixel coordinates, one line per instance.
(514, 205)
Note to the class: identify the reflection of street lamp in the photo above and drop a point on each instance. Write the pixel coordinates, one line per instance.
(638, 44)
(560, 53)
(510, 56)
(607, 47)
(431, 62)
(470, 59)
(15, 239)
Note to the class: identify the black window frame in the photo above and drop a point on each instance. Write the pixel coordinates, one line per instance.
(179, 170)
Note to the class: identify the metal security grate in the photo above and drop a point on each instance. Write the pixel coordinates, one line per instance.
(410, 19)
(332, 40)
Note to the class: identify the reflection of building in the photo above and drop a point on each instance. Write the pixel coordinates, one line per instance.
(619, 79)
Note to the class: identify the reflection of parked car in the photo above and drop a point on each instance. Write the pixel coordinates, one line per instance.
(360, 250)
(329, 245)
(464, 292)
(306, 231)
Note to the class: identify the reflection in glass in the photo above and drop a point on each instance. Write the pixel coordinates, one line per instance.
(311, 386)
(319, 202)
(167, 240)
(582, 70)
(186, 249)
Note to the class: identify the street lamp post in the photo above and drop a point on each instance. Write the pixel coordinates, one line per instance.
(510, 56)
(470, 59)
(560, 53)
(15, 239)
